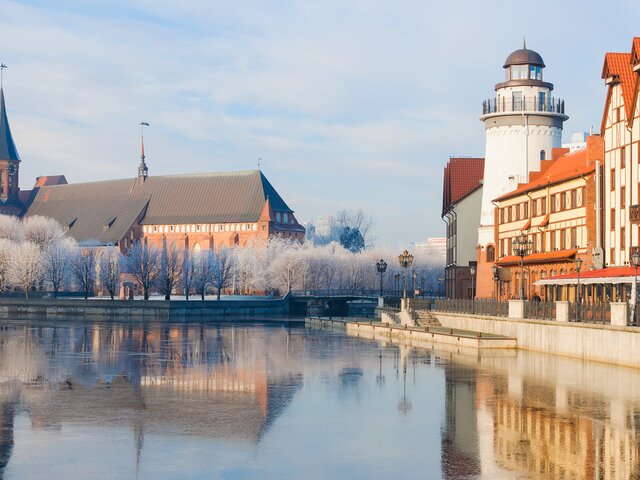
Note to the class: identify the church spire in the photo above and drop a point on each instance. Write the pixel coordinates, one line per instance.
(143, 171)
(8, 150)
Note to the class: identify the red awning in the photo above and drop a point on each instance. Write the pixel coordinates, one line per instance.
(542, 257)
(545, 220)
(526, 226)
(601, 276)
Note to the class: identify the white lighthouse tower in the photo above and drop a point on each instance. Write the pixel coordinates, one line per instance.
(523, 123)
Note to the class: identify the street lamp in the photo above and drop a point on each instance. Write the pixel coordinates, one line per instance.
(381, 266)
(522, 248)
(635, 259)
(405, 259)
(473, 283)
(414, 276)
(578, 268)
(494, 270)
(396, 277)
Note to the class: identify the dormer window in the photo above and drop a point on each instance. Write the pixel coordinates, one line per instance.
(278, 217)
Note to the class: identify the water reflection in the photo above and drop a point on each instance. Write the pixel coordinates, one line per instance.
(258, 401)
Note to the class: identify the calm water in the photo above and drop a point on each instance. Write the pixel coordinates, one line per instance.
(237, 401)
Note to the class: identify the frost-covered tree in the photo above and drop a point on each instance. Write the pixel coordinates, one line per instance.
(170, 269)
(43, 231)
(58, 257)
(221, 269)
(189, 266)
(110, 271)
(11, 228)
(83, 268)
(25, 267)
(7, 250)
(203, 275)
(143, 263)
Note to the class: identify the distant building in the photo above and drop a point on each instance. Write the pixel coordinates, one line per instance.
(435, 248)
(578, 142)
(461, 201)
(197, 211)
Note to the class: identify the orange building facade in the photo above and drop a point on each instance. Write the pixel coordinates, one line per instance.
(556, 211)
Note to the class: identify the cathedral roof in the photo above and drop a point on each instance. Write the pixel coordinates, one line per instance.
(462, 176)
(8, 150)
(105, 211)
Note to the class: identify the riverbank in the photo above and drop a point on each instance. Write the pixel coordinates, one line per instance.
(617, 345)
(425, 337)
(142, 309)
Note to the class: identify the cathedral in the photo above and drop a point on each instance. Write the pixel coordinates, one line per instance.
(196, 211)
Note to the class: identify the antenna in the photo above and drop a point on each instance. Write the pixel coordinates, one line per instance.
(524, 42)
(2, 67)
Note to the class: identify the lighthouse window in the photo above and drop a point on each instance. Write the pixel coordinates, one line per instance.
(543, 155)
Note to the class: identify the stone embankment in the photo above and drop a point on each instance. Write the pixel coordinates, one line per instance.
(617, 345)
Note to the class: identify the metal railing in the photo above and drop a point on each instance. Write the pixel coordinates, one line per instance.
(596, 312)
(540, 310)
(478, 306)
(524, 104)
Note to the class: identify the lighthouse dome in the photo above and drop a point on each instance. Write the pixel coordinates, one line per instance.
(524, 56)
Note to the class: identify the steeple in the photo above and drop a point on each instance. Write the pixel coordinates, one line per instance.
(8, 150)
(143, 171)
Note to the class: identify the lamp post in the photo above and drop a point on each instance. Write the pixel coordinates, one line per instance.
(414, 276)
(578, 268)
(494, 270)
(405, 259)
(396, 277)
(522, 248)
(635, 259)
(381, 266)
(473, 283)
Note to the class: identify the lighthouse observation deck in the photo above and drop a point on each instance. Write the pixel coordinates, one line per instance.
(532, 104)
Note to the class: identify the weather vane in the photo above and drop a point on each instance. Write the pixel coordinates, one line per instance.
(2, 67)
(142, 125)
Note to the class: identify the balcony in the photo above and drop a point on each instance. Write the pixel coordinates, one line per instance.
(634, 214)
(524, 104)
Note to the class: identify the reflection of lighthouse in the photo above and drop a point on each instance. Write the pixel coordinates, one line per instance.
(523, 123)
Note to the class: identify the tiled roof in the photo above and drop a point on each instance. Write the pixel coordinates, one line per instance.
(461, 177)
(619, 65)
(603, 275)
(8, 150)
(565, 167)
(104, 211)
(542, 257)
(47, 180)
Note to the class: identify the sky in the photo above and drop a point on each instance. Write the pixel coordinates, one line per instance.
(350, 104)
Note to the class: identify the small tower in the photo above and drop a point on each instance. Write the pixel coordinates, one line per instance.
(9, 160)
(523, 123)
(143, 171)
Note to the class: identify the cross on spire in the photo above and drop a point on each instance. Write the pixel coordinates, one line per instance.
(143, 171)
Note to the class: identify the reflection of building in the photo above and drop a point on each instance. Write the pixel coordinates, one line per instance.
(196, 211)
(461, 200)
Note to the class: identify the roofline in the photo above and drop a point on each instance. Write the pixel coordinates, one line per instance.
(507, 196)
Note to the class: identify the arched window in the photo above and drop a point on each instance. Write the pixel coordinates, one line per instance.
(543, 155)
(491, 253)
(196, 250)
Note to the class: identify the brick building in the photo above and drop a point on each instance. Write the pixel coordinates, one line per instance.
(555, 210)
(197, 211)
(461, 200)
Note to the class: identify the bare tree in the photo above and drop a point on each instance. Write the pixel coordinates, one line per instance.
(110, 271)
(25, 266)
(203, 276)
(143, 264)
(170, 269)
(189, 267)
(57, 263)
(222, 269)
(83, 268)
(356, 221)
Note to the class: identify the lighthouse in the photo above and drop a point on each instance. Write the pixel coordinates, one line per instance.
(523, 123)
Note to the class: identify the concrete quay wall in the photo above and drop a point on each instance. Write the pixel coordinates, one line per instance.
(152, 309)
(413, 336)
(594, 342)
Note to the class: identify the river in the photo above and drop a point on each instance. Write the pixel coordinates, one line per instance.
(269, 401)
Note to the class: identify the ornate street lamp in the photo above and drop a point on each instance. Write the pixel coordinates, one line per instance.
(473, 283)
(381, 266)
(578, 268)
(522, 248)
(405, 259)
(494, 270)
(635, 259)
(414, 277)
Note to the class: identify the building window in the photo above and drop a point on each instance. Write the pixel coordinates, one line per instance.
(502, 215)
(613, 179)
(553, 204)
(509, 213)
(517, 208)
(491, 253)
(525, 210)
(623, 198)
(278, 217)
(155, 228)
(543, 155)
(623, 239)
(563, 239)
(574, 198)
(574, 237)
(622, 157)
(552, 235)
(286, 218)
(613, 218)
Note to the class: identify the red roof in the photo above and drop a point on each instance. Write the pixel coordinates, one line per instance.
(619, 65)
(609, 272)
(461, 177)
(542, 257)
(565, 167)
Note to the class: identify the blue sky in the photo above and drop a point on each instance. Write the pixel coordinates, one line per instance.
(350, 104)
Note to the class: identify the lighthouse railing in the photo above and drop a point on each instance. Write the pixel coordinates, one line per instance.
(522, 104)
